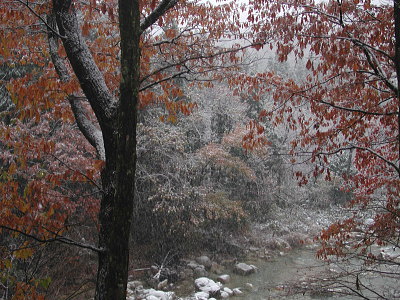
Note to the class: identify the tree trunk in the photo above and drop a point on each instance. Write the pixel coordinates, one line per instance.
(117, 120)
(118, 175)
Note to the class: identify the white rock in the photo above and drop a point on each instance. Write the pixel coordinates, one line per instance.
(254, 267)
(237, 292)
(228, 290)
(249, 286)
(224, 294)
(205, 284)
(225, 278)
(152, 294)
(201, 296)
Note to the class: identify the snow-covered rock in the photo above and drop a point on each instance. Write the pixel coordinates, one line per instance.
(228, 291)
(152, 294)
(237, 292)
(224, 295)
(134, 285)
(225, 278)
(205, 284)
(201, 296)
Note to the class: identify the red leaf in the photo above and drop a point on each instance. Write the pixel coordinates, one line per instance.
(153, 4)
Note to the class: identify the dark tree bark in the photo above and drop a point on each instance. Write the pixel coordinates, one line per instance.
(118, 176)
(117, 118)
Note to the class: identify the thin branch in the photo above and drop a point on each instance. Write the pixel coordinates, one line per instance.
(26, 4)
(177, 75)
(57, 238)
(357, 110)
(390, 163)
(199, 56)
(75, 170)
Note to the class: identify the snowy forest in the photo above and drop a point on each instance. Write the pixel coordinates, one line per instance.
(187, 149)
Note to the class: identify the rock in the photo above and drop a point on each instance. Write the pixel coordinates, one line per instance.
(224, 295)
(205, 284)
(186, 273)
(249, 286)
(225, 278)
(205, 261)
(244, 269)
(202, 295)
(228, 290)
(237, 292)
(193, 265)
(200, 271)
(162, 285)
(152, 294)
(135, 285)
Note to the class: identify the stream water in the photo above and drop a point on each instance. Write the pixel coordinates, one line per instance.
(274, 277)
(298, 274)
(284, 277)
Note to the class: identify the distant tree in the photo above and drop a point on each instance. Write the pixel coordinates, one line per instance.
(348, 103)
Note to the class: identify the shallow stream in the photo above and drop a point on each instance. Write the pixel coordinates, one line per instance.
(298, 274)
(286, 276)
(274, 277)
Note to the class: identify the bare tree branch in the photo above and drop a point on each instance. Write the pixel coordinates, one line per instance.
(90, 77)
(87, 127)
